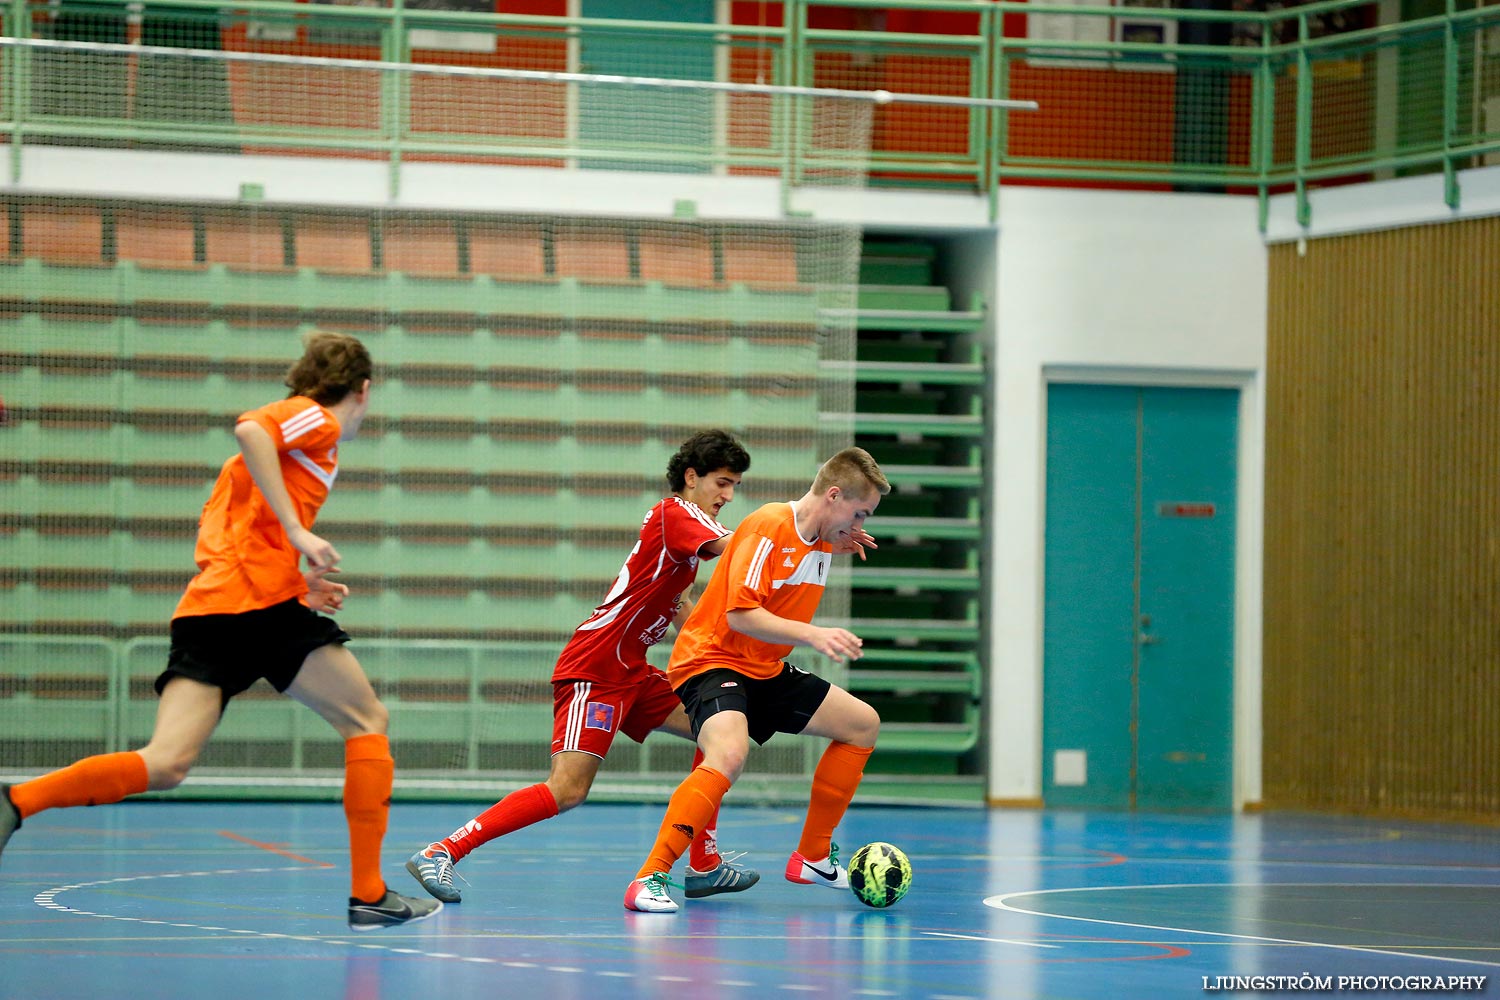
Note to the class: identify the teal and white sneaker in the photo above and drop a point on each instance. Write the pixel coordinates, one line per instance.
(433, 867)
(648, 894)
(727, 877)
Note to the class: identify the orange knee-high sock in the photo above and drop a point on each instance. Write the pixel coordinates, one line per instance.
(368, 773)
(93, 781)
(694, 804)
(703, 856)
(834, 782)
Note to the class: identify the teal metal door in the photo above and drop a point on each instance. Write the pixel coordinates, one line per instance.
(650, 123)
(1139, 597)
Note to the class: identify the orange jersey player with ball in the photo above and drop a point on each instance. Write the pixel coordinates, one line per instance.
(727, 667)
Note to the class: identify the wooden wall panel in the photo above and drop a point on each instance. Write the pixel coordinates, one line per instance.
(1382, 586)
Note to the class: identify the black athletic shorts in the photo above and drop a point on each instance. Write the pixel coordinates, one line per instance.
(783, 704)
(231, 652)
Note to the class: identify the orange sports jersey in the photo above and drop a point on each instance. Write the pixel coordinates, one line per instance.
(766, 564)
(245, 561)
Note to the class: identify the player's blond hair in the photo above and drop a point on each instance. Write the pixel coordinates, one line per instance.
(852, 470)
(331, 367)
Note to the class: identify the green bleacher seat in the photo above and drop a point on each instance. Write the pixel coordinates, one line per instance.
(887, 401)
(906, 298)
(896, 263)
(897, 350)
(69, 437)
(918, 424)
(900, 503)
(873, 576)
(59, 698)
(932, 476)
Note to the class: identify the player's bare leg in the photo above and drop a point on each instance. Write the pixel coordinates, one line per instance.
(332, 684)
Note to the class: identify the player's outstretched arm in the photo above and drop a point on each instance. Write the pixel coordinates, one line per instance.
(835, 643)
(265, 468)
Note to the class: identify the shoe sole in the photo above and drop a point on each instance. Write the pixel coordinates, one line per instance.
(637, 909)
(416, 873)
(361, 928)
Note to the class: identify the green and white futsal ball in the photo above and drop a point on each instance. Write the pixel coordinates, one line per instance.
(879, 874)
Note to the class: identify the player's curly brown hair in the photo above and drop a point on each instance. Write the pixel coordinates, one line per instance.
(705, 452)
(332, 366)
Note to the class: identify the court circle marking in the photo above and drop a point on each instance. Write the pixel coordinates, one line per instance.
(1002, 902)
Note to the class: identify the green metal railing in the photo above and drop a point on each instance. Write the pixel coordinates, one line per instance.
(1130, 96)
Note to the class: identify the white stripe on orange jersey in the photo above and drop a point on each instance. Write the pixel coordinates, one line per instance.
(758, 562)
(309, 419)
(326, 478)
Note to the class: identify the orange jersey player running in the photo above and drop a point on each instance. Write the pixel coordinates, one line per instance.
(251, 612)
(727, 668)
(602, 683)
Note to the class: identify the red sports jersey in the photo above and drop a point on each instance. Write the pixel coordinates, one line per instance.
(640, 606)
(244, 559)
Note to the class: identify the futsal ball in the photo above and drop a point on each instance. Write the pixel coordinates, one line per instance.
(879, 874)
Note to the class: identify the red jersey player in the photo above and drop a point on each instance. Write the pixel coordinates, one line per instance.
(603, 685)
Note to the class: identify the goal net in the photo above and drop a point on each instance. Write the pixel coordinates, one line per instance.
(560, 278)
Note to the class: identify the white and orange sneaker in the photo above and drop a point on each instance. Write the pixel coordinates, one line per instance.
(827, 872)
(648, 894)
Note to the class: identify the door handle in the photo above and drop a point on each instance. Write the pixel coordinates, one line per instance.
(1142, 636)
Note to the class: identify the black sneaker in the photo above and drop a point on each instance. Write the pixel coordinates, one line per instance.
(10, 816)
(392, 910)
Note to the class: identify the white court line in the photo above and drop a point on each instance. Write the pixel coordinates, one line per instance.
(975, 937)
(48, 899)
(1001, 903)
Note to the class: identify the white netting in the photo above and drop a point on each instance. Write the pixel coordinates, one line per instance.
(534, 371)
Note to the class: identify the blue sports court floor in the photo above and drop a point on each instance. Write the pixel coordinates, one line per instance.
(196, 900)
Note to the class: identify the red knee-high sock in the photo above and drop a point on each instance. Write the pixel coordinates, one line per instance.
(693, 805)
(703, 856)
(834, 782)
(368, 773)
(93, 781)
(520, 808)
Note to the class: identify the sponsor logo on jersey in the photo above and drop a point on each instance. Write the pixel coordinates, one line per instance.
(813, 569)
(658, 629)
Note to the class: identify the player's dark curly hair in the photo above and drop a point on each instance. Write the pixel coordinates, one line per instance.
(332, 366)
(705, 452)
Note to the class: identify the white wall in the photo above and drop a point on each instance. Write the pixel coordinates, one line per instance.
(1140, 288)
